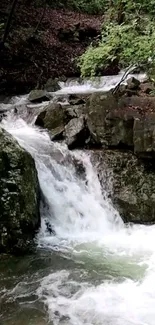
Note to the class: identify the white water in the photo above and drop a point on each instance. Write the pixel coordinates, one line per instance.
(104, 83)
(113, 278)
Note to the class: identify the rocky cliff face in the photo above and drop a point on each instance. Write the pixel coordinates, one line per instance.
(129, 183)
(122, 127)
(19, 196)
(122, 122)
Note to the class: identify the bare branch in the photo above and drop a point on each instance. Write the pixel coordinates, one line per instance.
(129, 70)
(41, 18)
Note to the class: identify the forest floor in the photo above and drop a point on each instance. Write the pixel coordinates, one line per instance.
(29, 59)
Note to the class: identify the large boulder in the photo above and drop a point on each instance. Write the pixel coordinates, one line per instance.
(144, 136)
(133, 83)
(109, 123)
(62, 121)
(76, 133)
(38, 96)
(129, 182)
(19, 196)
(147, 87)
(122, 122)
(52, 118)
(52, 85)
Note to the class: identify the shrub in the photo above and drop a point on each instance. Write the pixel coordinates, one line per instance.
(129, 44)
(87, 6)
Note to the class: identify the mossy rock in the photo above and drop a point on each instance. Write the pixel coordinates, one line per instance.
(19, 196)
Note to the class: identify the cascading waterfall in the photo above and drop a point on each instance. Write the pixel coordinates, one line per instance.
(104, 271)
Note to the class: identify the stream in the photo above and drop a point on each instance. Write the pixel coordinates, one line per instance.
(95, 270)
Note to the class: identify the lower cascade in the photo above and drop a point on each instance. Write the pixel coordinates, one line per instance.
(90, 268)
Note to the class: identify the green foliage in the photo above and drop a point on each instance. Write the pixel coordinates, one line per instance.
(101, 6)
(147, 6)
(128, 43)
(96, 58)
(134, 6)
(87, 6)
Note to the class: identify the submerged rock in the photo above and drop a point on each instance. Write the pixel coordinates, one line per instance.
(19, 196)
(129, 182)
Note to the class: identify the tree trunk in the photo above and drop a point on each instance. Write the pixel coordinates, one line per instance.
(9, 20)
(120, 12)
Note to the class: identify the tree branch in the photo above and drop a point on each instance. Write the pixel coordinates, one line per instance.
(41, 18)
(129, 70)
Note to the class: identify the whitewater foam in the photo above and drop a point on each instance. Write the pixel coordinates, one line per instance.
(112, 281)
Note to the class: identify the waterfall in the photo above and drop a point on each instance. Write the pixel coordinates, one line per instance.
(108, 271)
(73, 204)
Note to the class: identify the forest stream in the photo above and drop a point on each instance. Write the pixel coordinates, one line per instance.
(92, 269)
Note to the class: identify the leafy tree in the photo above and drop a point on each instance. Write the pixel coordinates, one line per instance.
(128, 37)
